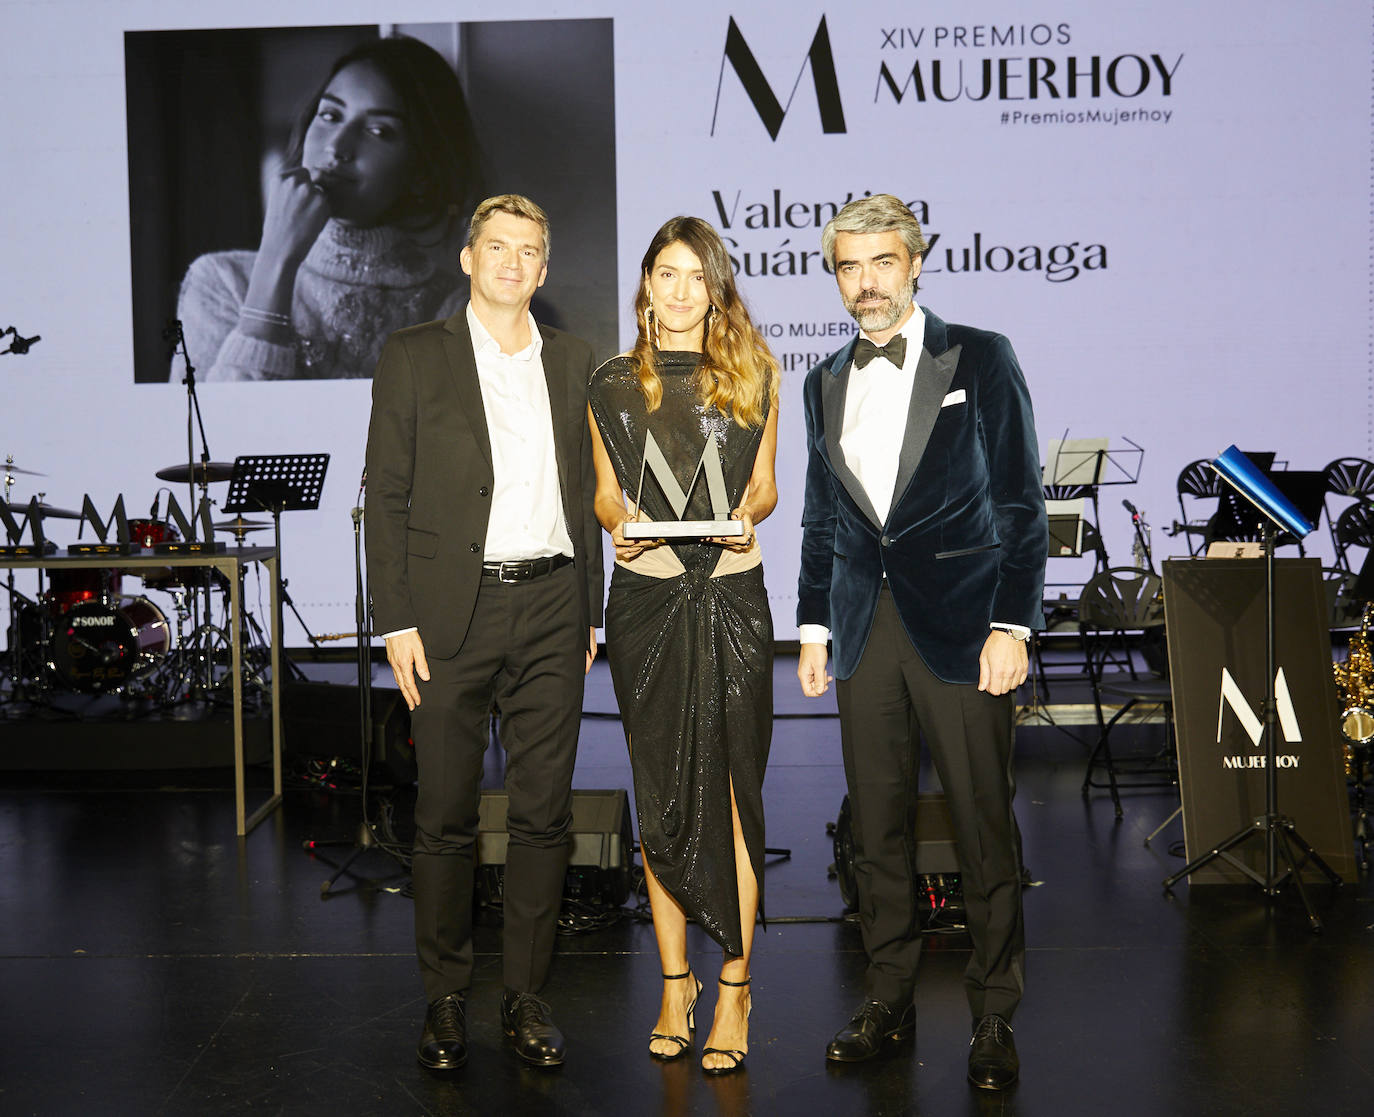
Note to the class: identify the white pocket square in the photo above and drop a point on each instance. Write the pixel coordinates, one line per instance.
(956, 396)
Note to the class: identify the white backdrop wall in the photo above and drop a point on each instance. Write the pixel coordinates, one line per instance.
(1165, 206)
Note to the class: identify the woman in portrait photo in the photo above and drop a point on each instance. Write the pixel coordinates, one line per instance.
(362, 228)
(688, 627)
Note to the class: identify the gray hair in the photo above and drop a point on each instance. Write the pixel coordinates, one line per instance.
(879, 213)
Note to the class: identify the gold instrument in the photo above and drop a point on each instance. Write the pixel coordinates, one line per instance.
(1355, 684)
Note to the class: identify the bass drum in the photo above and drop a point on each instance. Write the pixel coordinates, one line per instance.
(99, 646)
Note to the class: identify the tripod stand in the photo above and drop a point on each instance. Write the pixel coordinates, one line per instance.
(1277, 831)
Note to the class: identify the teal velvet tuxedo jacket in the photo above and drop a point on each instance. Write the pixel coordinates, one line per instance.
(966, 539)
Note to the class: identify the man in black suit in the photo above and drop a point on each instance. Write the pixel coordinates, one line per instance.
(923, 558)
(484, 562)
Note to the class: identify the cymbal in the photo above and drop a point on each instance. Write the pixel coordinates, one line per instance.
(241, 525)
(11, 468)
(47, 511)
(212, 471)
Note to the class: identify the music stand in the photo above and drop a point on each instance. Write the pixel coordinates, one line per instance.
(1280, 834)
(277, 483)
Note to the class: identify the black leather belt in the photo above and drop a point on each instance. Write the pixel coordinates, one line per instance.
(523, 570)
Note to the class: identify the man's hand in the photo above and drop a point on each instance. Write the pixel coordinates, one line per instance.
(811, 670)
(1003, 663)
(591, 650)
(406, 654)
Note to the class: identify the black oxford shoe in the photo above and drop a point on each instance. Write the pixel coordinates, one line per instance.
(874, 1026)
(444, 1042)
(528, 1021)
(992, 1060)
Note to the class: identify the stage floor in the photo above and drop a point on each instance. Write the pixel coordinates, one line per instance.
(152, 963)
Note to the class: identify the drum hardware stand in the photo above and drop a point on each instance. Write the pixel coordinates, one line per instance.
(1278, 832)
(278, 483)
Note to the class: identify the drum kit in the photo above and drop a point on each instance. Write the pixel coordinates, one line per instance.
(92, 631)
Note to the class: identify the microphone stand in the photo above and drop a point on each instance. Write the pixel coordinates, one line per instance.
(367, 837)
(200, 682)
(1138, 522)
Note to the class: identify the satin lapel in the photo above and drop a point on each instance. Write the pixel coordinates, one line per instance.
(462, 367)
(933, 376)
(834, 386)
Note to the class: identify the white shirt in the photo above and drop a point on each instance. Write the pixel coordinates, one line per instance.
(876, 404)
(526, 503)
(526, 519)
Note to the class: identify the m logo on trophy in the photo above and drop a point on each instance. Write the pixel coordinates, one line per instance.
(720, 526)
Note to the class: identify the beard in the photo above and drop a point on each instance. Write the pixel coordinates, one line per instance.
(875, 320)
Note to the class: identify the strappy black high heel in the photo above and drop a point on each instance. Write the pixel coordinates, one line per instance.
(684, 1044)
(736, 1055)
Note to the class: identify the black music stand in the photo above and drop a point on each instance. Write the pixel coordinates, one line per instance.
(1279, 832)
(278, 483)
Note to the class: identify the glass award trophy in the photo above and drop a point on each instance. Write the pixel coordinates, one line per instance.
(719, 526)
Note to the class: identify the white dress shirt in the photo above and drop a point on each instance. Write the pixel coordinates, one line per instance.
(876, 404)
(526, 520)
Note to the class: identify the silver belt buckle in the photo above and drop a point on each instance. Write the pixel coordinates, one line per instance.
(501, 572)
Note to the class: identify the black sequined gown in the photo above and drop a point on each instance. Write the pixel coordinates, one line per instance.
(691, 656)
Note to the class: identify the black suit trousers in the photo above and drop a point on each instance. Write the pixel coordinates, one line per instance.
(886, 706)
(526, 652)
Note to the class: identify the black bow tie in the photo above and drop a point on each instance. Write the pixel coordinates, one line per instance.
(894, 351)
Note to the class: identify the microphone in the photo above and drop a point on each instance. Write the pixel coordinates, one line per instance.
(1131, 509)
(157, 499)
(362, 482)
(18, 343)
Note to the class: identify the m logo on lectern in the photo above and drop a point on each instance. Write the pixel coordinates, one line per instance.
(1231, 695)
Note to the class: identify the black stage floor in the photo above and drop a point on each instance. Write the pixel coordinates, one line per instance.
(152, 963)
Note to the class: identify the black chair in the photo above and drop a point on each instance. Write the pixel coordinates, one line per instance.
(1354, 528)
(1117, 604)
(1348, 477)
(1200, 481)
(1344, 609)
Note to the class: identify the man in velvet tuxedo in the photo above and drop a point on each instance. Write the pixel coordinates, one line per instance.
(923, 558)
(484, 561)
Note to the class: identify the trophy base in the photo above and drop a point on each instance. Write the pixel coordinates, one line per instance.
(683, 529)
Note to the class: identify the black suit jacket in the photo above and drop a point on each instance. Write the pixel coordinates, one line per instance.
(429, 478)
(966, 539)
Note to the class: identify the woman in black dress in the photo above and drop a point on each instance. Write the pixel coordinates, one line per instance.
(688, 627)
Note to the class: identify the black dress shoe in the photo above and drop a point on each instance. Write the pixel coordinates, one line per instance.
(529, 1022)
(444, 1042)
(992, 1059)
(873, 1026)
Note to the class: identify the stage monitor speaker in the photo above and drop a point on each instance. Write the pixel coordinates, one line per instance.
(321, 719)
(601, 859)
(935, 854)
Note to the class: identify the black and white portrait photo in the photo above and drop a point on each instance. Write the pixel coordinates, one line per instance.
(298, 194)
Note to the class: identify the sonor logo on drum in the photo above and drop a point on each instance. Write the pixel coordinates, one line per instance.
(100, 620)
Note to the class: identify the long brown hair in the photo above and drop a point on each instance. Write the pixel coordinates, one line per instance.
(738, 371)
